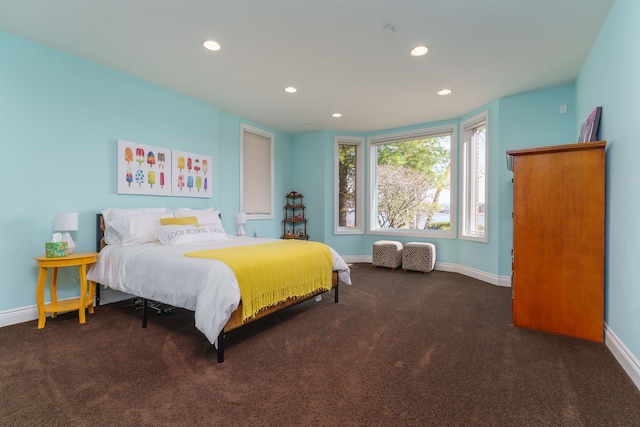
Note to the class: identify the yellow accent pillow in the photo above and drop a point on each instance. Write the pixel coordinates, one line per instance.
(185, 220)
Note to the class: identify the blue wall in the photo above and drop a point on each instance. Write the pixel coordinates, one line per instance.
(60, 118)
(230, 175)
(525, 120)
(610, 78)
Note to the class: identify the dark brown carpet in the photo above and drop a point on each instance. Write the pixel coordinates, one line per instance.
(399, 349)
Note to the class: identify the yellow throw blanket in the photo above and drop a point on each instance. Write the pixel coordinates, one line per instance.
(270, 273)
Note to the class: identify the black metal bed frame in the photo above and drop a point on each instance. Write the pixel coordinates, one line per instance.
(146, 303)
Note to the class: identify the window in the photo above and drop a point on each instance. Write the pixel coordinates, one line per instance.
(474, 179)
(349, 178)
(412, 183)
(256, 173)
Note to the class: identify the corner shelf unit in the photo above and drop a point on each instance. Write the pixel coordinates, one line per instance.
(294, 224)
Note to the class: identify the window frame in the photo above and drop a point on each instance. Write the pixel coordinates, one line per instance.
(359, 142)
(268, 187)
(427, 132)
(468, 188)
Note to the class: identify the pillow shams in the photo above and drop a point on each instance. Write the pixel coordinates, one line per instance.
(138, 229)
(174, 235)
(111, 214)
(205, 216)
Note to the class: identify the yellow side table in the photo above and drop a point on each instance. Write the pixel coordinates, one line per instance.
(80, 259)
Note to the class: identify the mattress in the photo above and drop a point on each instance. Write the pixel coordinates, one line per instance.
(162, 273)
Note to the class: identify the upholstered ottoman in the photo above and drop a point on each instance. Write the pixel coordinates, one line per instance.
(387, 253)
(419, 256)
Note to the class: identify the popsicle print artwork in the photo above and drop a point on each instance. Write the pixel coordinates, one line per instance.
(128, 155)
(139, 177)
(140, 164)
(144, 169)
(190, 174)
(151, 159)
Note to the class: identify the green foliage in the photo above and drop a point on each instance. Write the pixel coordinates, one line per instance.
(411, 175)
(346, 181)
(443, 225)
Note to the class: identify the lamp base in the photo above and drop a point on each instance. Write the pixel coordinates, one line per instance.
(240, 230)
(66, 237)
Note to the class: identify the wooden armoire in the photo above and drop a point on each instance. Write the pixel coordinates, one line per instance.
(558, 239)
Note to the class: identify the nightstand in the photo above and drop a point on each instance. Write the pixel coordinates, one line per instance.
(78, 259)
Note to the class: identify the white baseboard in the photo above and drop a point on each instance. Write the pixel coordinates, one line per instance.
(18, 315)
(494, 279)
(358, 258)
(625, 358)
(30, 313)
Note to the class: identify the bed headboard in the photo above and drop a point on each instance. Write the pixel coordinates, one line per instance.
(99, 232)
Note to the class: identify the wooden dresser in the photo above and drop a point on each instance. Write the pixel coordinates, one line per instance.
(558, 239)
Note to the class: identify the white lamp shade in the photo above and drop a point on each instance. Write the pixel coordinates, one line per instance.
(241, 218)
(65, 221)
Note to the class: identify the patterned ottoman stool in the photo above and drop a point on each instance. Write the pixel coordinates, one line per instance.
(419, 256)
(387, 253)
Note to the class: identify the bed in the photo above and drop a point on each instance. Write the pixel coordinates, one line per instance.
(136, 256)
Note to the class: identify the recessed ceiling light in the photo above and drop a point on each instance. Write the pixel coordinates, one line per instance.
(211, 45)
(419, 51)
(444, 92)
(336, 115)
(290, 89)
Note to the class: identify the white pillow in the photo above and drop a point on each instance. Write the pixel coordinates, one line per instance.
(174, 235)
(109, 215)
(137, 229)
(205, 216)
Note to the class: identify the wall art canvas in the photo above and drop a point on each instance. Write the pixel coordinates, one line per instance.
(190, 174)
(143, 169)
(589, 129)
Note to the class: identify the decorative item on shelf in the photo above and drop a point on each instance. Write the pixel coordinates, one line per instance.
(241, 218)
(63, 223)
(589, 129)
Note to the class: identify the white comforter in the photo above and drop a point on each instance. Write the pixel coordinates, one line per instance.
(164, 274)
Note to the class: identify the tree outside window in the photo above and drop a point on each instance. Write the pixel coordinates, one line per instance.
(350, 182)
(411, 177)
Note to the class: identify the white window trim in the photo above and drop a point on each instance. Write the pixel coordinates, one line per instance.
(246, 128)
(373, 185)
(360, 207)
(466, 127)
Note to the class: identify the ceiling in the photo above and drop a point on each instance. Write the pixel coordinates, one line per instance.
(335, 52)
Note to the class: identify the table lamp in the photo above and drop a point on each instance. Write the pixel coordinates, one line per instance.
(66, 222)
(241, 218)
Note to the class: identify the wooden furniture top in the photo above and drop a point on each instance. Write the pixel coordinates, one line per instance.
(553, 149)
(76, 258)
